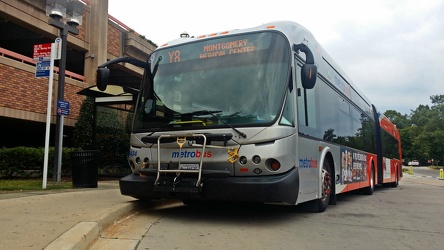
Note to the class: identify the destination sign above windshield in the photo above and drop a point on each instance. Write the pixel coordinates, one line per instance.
(218, 47)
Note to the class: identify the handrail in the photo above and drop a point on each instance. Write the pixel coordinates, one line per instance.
(24, 59)
(15, 55)
(121, 24)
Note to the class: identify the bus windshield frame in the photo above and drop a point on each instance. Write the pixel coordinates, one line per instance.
(237, 80)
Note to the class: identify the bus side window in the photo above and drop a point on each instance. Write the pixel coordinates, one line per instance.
(288, 115)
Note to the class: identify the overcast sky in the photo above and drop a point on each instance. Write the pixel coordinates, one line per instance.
(393, 50)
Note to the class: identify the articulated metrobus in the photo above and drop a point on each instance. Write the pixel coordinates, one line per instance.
(259, 115)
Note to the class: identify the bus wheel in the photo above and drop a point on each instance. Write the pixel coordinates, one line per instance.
(326, 184)
(396, 182)
(326, 187)
(319, 205)
(370, 189)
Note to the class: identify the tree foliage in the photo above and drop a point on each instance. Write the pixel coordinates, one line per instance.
(110, 136)
(422, 132)
(83, 131)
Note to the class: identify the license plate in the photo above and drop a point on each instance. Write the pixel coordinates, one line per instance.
(189, 166)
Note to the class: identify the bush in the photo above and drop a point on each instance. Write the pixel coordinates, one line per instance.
(25, 162)
(110, 136)
(28, 162)
(111, 142)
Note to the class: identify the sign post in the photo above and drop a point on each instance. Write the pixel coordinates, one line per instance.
(45, 68)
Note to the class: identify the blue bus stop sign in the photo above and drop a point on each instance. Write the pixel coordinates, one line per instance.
(42, 69)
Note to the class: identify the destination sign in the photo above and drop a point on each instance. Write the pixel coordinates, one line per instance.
(245, 44)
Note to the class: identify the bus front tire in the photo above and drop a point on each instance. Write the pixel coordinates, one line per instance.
(320, 205)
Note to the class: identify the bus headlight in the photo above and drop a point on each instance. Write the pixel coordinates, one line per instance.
(256, 159)
(243, 160)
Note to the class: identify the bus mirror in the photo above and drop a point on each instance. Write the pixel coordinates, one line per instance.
(102, 76)
(308, 75)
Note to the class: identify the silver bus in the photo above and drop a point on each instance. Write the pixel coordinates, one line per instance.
(257, 115)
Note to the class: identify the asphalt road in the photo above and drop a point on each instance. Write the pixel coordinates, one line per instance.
(407, 217)
(425, 172)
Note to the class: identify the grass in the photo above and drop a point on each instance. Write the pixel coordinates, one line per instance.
(31, 185)
(437, 167)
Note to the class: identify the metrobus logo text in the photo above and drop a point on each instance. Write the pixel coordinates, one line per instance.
(191, 154)
(308, 163)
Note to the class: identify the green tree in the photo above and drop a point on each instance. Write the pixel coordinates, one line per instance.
(111, 137)
(83, 130)
(424, 139)
(437, 99)
(421, 115)
(401, 121)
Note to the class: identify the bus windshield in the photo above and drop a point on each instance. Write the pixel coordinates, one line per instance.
(234, 80)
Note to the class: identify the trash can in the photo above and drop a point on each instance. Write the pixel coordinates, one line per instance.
(84, 169)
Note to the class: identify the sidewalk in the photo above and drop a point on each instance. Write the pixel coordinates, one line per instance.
(60, 219)
(74, 218)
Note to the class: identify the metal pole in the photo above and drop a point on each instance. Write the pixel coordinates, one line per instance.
(59, 120)
(64, 30)
(48, 116)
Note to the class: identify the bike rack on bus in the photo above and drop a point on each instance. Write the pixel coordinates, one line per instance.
(181, 140)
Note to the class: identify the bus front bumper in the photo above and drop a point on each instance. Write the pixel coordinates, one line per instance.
(282, 188)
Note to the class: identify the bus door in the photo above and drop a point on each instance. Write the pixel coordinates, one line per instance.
(308, 154)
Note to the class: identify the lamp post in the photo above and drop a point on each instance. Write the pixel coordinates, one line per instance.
(65, 15)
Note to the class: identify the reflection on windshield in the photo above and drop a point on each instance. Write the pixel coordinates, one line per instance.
(238, 89)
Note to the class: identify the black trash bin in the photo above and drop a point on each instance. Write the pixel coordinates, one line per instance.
(84, 169)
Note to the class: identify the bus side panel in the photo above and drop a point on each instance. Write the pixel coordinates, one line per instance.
(308, 162)
(355, 170)
(387, 170)
(392, 168)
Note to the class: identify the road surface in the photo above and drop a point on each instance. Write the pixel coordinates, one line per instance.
(407, 217)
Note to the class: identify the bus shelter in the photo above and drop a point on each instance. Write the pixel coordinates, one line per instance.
(110, 126)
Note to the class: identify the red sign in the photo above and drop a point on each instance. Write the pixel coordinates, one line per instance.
(42, 52)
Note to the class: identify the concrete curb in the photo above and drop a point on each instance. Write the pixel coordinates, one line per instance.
(84, 234)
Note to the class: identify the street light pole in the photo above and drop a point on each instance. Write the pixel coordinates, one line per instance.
(64, 29)
(73, 11)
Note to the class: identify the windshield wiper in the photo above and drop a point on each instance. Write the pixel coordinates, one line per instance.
(200, 112)
(203, 112)
(190, 115)
(161, 127)
(156, 66)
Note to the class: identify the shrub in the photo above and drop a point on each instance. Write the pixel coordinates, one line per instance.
(110, 137)
(28, 162)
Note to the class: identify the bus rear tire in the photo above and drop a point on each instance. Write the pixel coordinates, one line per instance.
(396, 182)
(370, 189)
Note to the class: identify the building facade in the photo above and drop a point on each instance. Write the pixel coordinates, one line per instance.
(23, 97)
